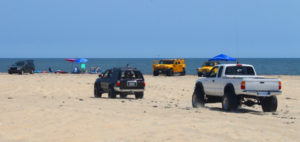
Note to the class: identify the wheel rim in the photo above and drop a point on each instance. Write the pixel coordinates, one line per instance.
(225, 103)
(194, 100)
(95, 91)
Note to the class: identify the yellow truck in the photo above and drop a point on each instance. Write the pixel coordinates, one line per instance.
(168, 67)
(206, 68)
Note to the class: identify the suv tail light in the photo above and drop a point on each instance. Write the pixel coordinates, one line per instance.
(279, 85)
(144, 84)
(243, 85)
(119, 83)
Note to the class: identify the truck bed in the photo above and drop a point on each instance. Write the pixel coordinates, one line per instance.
(254, 84)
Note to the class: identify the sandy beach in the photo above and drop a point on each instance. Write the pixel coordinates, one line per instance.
(61, 108)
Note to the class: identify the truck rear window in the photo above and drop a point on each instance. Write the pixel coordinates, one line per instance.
(239, 70)
(130, 74)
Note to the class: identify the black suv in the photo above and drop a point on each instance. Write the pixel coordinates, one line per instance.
(22, 67)
(120, 81)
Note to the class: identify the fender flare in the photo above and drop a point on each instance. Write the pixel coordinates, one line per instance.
(199, 84)
(229, 87)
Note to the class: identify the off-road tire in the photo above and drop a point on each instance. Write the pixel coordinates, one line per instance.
(230, 100)
(21, 72)
(200, 74)
(139, 95)
(204, 73)
(155, 73)
(198, 98)
(183, 72)
(269, 104)
(123, 96)
(97, 92)
(112, 94)
(170, 72)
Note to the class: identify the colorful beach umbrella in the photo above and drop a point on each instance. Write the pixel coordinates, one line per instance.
(70, 60)
(81, 60)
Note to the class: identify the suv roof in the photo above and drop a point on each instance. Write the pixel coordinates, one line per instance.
(125, 68)
(170, 59)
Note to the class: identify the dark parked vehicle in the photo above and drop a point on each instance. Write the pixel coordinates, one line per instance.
(22, 67)
(120, 81)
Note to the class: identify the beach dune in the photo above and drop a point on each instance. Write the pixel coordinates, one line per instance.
(61, 108)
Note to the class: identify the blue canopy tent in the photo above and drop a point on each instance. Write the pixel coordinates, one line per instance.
(222, 57)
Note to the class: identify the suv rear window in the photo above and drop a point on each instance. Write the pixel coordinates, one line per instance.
(239, 70)
(19, 64)
(130, 74)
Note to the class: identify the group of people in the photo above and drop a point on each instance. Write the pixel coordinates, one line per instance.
(93, 70)
(76, 70)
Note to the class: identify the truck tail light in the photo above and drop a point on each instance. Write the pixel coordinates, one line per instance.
(119, 83)
(279, 85)
(243, 85)
(144, 84)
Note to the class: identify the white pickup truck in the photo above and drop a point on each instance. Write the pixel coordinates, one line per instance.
(234, 85)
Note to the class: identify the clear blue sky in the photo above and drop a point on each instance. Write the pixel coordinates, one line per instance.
(149, 28)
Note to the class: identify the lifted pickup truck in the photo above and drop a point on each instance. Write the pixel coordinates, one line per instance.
(234, 85)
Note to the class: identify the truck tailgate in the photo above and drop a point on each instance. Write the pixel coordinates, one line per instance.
(262, 84)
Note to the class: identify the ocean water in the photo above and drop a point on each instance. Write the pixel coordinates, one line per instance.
(263, 66)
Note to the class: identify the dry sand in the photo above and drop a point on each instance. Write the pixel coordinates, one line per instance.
(61, 108)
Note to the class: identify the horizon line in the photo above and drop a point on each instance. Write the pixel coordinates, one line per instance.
(145, 57)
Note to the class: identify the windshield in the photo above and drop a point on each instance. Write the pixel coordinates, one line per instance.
(18, 64)
(239, 70)
(166, 62)
(209, 64)
(130, 74)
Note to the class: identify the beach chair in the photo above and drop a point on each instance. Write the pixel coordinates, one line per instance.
(98, 70)
(93, 70)
(75, 70)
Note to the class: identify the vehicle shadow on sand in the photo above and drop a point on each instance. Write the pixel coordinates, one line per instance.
(240, 110)
(107, 98)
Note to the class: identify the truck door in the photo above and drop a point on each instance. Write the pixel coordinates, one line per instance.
(180, 66)
(218, 85)
(176, 66)
(210, 87)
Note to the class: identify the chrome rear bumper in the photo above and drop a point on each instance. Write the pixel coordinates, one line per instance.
(128, 90)
(261, 93)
